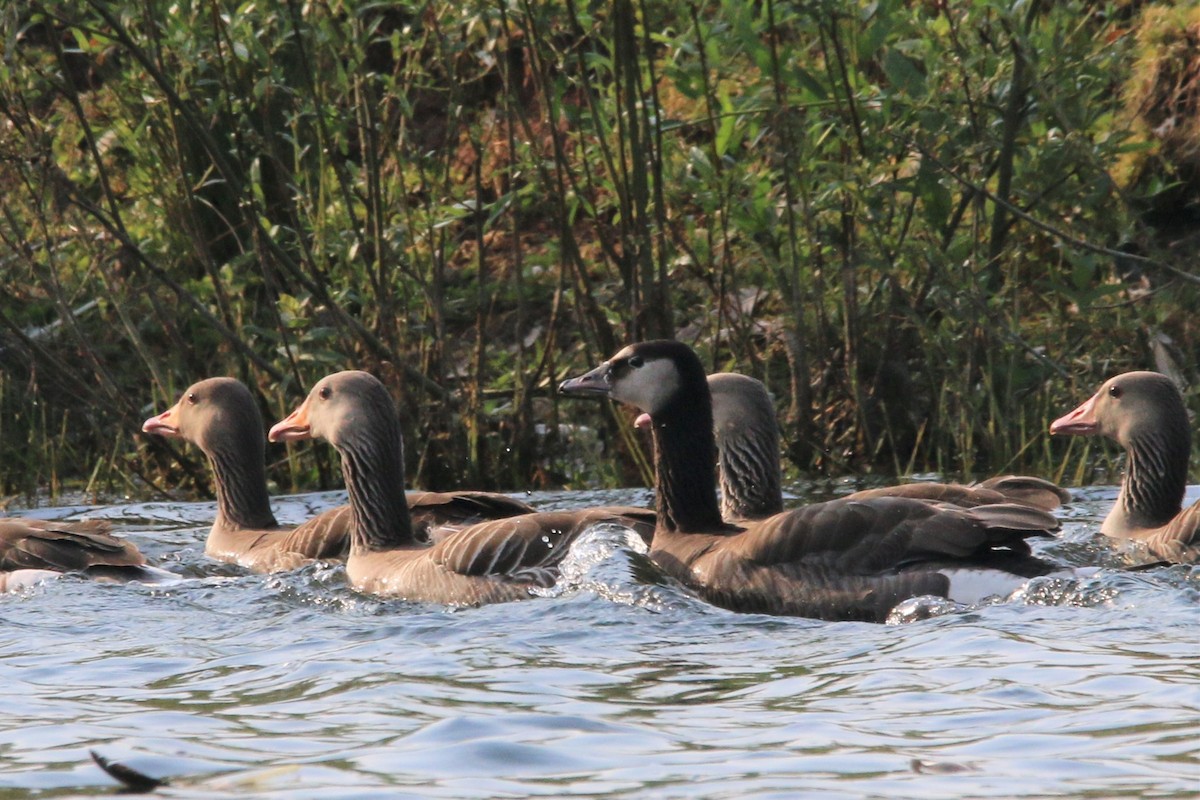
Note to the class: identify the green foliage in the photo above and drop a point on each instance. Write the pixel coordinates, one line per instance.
(899, 214)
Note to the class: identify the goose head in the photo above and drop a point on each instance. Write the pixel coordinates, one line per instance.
(341, 408)
(651, 376)
(1145, 414)
(217, 415)
(354, 412)
(666, 380)
(1129, 408)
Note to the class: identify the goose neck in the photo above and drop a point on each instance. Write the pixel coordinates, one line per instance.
(685, 468)
(750, 477)
(374, 474)
(1155, 478)
(241, 485)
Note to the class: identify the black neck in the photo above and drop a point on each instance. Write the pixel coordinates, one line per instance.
(1156, 476)
(241, 484)
(685, 465)
(373, 468)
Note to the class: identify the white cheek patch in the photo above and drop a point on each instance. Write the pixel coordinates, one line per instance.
(650, 387)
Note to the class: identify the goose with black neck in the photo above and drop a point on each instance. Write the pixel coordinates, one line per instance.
(840, 560)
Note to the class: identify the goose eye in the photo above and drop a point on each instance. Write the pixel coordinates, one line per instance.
(325, 393)
(192, 399)
(1114, 392)
(637, 362)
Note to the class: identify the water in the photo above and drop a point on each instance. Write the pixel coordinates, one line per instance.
(235, 685)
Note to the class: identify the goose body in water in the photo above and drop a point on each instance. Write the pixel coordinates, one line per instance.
(847, 559)
(748, 468)
(495, 561)
(33, 550)
(1145, 414)
(220, 416)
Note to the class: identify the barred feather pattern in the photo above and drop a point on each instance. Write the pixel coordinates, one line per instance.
(1179, 540)
(373, 469)
(241, 486)
(747, 436)
(1155, 477)
(750, 478)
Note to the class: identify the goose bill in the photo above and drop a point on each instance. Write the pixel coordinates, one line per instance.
(1080, 422)
(293, 428)
(162, 424)
(597, 383)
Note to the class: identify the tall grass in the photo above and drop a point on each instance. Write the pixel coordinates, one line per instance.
(899, 215)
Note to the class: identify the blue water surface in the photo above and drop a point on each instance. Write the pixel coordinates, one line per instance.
(616, 685)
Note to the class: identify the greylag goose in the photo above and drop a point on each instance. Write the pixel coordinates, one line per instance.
(845, 559)
(1145, 414)
(747, 436)
(489, 562)
(32, 550)
(220, 417)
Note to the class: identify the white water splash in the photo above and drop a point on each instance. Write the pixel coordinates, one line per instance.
(610, 561)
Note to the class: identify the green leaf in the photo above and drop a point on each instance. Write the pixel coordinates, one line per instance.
(904, 73)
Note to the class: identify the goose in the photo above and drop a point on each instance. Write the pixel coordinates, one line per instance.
(493, 561)
(220, 416)
(33, 550)
(748, 468)
(846, 559)
(1145, 414)
(747, 439)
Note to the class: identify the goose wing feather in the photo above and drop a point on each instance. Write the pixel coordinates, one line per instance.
(325, 537)
(525, 549)
(1179, 540)
(464, 507)
(952, 493)
(1022, 489)
(869, 536)
(34, 544)
(1028, 489)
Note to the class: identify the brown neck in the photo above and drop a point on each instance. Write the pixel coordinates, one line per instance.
(1156, 476)
(373, 469)
(241, 484)
(750, 476)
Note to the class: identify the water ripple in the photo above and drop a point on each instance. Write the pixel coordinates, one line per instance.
(619, 684)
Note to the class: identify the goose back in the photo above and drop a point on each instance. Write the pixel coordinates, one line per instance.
(33, 549)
